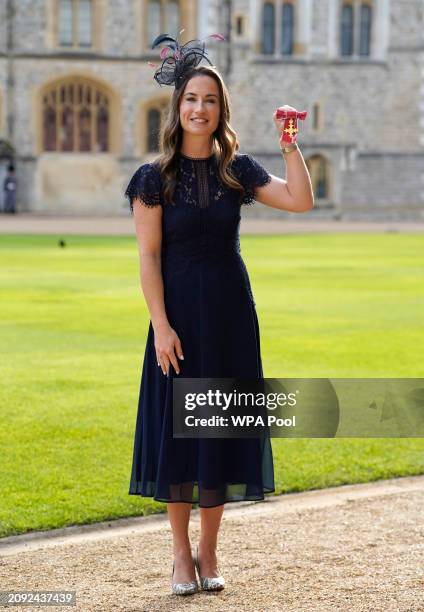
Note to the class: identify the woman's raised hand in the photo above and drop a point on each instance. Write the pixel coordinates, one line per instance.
(279, 123)
(168, 348)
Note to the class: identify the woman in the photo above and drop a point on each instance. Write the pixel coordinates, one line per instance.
(186, 207)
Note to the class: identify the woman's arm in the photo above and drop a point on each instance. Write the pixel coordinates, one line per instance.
(294, 194)
(148, 225)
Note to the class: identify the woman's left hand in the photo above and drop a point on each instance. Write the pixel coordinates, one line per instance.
(279, 123)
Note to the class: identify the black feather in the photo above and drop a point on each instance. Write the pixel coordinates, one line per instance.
(162, 38)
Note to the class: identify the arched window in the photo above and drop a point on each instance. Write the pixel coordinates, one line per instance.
(287, 28)
(316, 116)
(153, 130)
(347, 29)
(365, 32)
(75, 23)
(317, 167)
(66, 131)
(103, 127)
(49, 127)
(153, 116)
(268, 28)
(75, 117)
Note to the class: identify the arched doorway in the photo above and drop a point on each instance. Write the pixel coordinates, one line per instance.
(319, 172)
(78, 142)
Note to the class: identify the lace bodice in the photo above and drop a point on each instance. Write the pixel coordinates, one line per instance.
(202, 224)
(205, 216)
(198, 182)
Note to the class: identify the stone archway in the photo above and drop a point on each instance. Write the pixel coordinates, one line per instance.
(78, 140)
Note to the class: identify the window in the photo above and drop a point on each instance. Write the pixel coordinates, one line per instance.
(153, 129)
(316, 117)
(153, 20)
(355, 28)
(317, 167)
(173, 15)
(268, 28)
(155, 115)
(365, 32)
(287, 28)
(75, 117)
(75, 23)
(162, 16)
(239, 25)
(347, 29)
(281, 14)
(65, 23)
(1, 116)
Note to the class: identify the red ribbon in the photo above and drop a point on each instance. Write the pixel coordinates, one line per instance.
(289, 132)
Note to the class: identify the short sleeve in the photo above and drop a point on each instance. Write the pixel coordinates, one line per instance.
(251, 175)
(146, 185)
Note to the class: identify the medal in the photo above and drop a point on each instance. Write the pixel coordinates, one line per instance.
(290, 129)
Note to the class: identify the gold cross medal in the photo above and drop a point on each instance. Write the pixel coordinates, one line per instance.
(290, 130)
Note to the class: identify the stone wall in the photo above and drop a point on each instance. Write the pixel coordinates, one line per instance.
(373, 108)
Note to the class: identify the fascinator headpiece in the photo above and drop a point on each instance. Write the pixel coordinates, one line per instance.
(178, 59)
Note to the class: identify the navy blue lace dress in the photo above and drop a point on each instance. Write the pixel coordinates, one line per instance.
(210, 305)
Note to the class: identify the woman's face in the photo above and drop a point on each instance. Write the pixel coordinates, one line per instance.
(200, 106)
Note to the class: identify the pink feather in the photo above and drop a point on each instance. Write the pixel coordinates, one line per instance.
(164, 52)
(217, 36)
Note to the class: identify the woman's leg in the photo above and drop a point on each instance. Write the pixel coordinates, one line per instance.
(210, 520)
(179, 517)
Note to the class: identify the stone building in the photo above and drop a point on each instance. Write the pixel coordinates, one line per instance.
(81, 110)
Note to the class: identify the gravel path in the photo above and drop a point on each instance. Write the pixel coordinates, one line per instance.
(356, 547)
(124, 225)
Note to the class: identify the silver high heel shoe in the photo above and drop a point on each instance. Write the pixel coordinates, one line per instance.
(208, 584)
(184, 588)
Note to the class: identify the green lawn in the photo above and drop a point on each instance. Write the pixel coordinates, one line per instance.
(73, 326)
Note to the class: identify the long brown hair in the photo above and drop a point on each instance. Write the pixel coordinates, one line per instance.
(225, 143)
